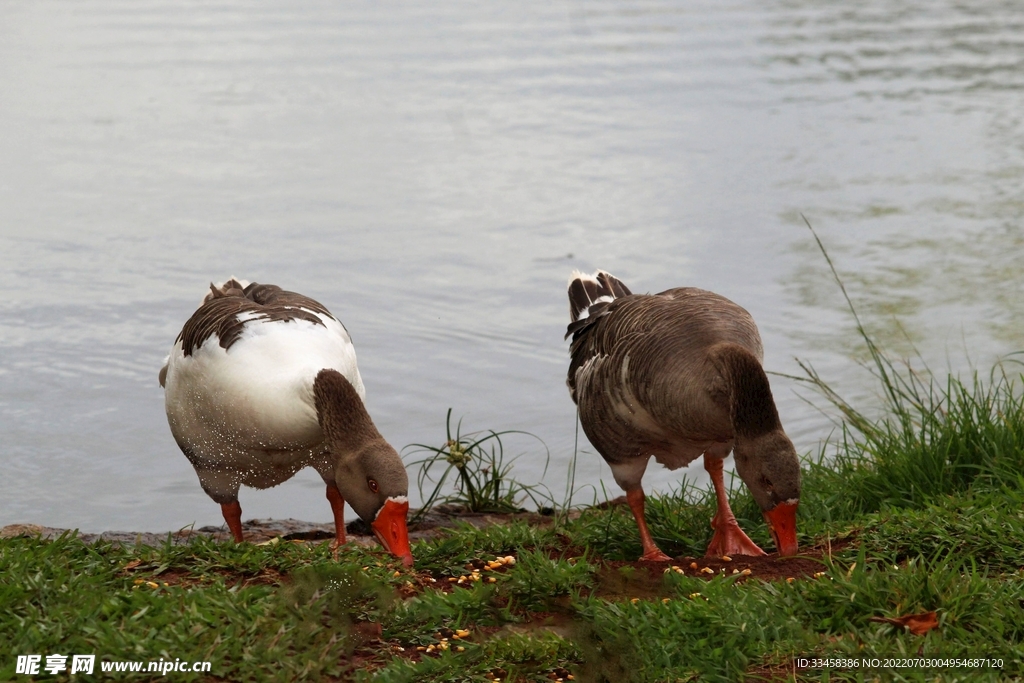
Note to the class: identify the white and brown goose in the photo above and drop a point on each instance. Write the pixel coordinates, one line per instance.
(673, 376)
(261, 383)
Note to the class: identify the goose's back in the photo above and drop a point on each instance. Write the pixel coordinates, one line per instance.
(641, 374)
(239, 379)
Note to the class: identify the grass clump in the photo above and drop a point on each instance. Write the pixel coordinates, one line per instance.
(482, 477)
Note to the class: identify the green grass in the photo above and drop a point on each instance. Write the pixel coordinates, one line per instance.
(956, 557)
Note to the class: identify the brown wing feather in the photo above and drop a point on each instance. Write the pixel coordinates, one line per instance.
(218, 315)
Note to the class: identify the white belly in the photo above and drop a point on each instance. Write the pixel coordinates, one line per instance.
(254, 402)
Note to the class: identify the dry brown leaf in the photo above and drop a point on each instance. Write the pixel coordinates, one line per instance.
(132, 565)
(919, 624)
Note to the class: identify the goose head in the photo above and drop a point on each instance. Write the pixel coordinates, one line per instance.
(769, 466)
(368, 472)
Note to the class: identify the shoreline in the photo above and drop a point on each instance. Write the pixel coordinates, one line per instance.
(258, 531)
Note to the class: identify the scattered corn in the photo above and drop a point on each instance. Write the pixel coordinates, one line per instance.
(746, 572)
(397, 573)
(707, 570)
(462, 633)
(693, 565)
(152, 584)
(665, 601)
(735, 571)
(790, 580)
(460, 649)
(818, 575)
(726, 558)
(491, 579)
(635, 600)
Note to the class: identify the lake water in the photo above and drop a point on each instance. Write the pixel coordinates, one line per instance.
(433, 173)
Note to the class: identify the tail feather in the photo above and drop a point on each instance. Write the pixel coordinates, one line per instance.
(232, 287)
(588, 290)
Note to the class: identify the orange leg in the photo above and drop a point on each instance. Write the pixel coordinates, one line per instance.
(635, 497)
(233, 516)
(729, 538)
(338, 508)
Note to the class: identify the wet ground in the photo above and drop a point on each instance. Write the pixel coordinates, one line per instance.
(264, 530)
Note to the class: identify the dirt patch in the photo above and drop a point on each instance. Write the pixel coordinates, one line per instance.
(185, 577)
(646, 580)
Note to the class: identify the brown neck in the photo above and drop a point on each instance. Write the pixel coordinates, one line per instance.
(751, 405)
(341, 412)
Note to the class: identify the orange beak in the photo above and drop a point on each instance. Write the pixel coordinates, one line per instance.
(390, 529)
(782, 523)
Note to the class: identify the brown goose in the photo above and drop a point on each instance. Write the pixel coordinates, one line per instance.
(262, 383)
(676, 375)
